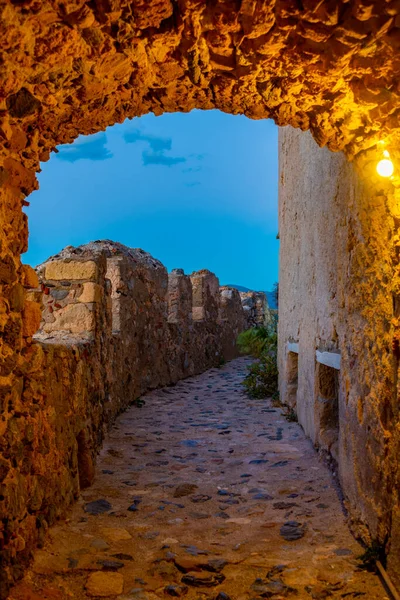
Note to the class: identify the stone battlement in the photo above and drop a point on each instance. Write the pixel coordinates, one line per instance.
(113, 325)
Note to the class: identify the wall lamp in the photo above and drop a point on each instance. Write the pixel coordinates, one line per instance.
(385, 167)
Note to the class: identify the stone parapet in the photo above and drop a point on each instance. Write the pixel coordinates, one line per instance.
(180, 298)
(232, 319)
(205, 286)
(113, 325)
(74, 295)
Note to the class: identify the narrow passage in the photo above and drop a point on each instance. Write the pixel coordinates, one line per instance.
(203, 493)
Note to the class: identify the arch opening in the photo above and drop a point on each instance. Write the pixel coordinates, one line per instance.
(329, 68)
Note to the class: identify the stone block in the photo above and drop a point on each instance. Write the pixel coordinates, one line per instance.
(179, 297)
(34, 296)
(92, 292)
(105, 584)
(29, 277)
(17, 296)
(76, 270)
(198, 313)
(7, 270)
(205, 294)
(31, 317)
(76, 318)
(59, 294)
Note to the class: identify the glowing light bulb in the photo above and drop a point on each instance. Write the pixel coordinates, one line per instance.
(385, 167)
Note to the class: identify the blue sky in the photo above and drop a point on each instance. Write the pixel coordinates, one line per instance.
(196, 190)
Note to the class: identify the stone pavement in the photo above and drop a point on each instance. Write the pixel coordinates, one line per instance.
(203, 493)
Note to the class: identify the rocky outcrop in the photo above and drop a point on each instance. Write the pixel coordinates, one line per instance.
(113, 325)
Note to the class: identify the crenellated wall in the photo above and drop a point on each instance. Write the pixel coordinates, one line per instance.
(232, 318)
(113, 324)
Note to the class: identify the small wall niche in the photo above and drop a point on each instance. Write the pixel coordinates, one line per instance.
(327, 407)
(292, 371)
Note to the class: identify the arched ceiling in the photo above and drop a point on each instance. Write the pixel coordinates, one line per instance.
(75, 66)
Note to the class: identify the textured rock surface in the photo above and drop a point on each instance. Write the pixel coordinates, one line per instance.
(106, 337)
(231, 314)
(73, 67)
(339, 293)
(232, 503)
(256, 309)
(328, 66)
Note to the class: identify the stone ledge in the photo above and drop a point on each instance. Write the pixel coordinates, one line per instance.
(293, 347)
(329, 359)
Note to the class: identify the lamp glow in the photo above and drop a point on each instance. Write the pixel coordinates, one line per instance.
(385, 167)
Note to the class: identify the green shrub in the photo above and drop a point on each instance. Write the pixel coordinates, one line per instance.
(262, 379)
(291, 416)
(257, 341)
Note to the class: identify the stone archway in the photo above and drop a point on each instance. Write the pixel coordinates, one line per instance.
(76, 67)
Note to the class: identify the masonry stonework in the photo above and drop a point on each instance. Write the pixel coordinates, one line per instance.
(256, 309)
(114, 324)
(339, 326)
(232, 316)
(74, 67)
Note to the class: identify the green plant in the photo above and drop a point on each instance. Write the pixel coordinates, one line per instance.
(221, 362)
(262, 380)
(291, 416)
(258, 341)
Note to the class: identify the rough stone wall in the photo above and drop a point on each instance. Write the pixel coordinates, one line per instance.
(205, 289)
(331, 67)
(256, 309)
(207, 328)
(52, 425)
(233, 319)
(180, 323)
(76, 68)
(113, 325)
(70, 68)
(73, 296)
(339, 287)
(180, 298)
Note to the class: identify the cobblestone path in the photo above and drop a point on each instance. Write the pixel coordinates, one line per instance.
(203, 493)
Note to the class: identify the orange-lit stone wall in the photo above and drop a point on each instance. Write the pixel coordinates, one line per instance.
(105, 338)
(331, 67)
(339, 295)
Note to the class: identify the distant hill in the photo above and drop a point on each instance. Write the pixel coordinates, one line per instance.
(270, 295)
(240, 288)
